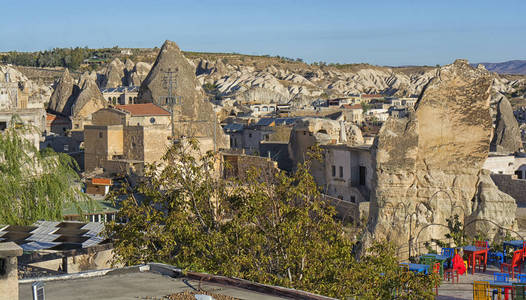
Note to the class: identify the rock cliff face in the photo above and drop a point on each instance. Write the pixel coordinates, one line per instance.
(114, 74)
(300, 84)
(88, 101)
(194, 116)
(308, 132)
(507, 136)
(138, 73)
(428, 165)
(76, 99)
(37, 94)
(64, 94)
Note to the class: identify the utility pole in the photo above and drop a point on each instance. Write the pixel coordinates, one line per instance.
(171, 100)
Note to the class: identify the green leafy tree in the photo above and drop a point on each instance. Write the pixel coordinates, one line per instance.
(269, 227)
(33, 185)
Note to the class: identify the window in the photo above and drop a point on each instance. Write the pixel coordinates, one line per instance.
(152, 120)
(100, 135)
(363, 174)
(519, 174)
(3, 125)
(66, 148)
(353, 199)
(304, 132)
(250, 135)
(333, 171)
(129, 100)
(341, 172)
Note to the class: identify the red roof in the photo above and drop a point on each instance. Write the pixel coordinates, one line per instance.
(144, 109)
(354, 106)
(101, 181)
(56, 119)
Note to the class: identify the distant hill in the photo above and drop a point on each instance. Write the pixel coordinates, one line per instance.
(507, 67)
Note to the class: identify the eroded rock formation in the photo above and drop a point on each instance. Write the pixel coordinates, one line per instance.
(64, 94)
(114, 74)
(76, 99)
(194, 116)
(428, 165)
(507, 136)
(308, 132)
(88, 101)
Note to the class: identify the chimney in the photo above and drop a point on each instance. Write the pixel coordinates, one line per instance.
(343, 133)
(9, 270)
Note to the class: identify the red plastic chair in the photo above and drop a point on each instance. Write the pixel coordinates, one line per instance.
(450, 274)
(515, 263)
(436, 269)
(479, 258)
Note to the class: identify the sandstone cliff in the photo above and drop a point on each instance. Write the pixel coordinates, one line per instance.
(33, 93)
(64, 94)
(308, 132)
(300, 83)
(194, 116)
(507, 136)
(88, 101)
(428, 165)
(114, 74)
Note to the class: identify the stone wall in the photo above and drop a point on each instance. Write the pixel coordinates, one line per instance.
(85, 262)
(102, 143)
(239, 165)
(512, 186)
(348, 211)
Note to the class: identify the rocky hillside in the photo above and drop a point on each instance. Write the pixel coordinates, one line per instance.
(243, 78)
(270, 79)
(37, 93)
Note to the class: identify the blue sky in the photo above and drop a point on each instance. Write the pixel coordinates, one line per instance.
(377, 32)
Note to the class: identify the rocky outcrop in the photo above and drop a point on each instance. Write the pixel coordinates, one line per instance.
(88, 101)
(490, 204)
(64, 95)
(114, 74)
(138, 74)
(77, 100)
(37, 94)
(195, 115)
(428, 164)
(507, 136)
(308, 132)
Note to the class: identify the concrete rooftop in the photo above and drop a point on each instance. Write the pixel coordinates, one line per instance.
(131, 285)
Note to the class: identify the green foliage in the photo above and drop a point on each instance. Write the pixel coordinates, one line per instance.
(365, 107)
(33, 185)
(270, 228)
(70, 58)
(456, 231)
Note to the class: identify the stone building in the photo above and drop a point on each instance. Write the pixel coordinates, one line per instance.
(14, 110)
(347, 172)
(124, 139)
(121, 95)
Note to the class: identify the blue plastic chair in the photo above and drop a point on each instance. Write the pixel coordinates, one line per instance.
(496, 256)
(502, 277)
(450, 252)
(521, 278)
